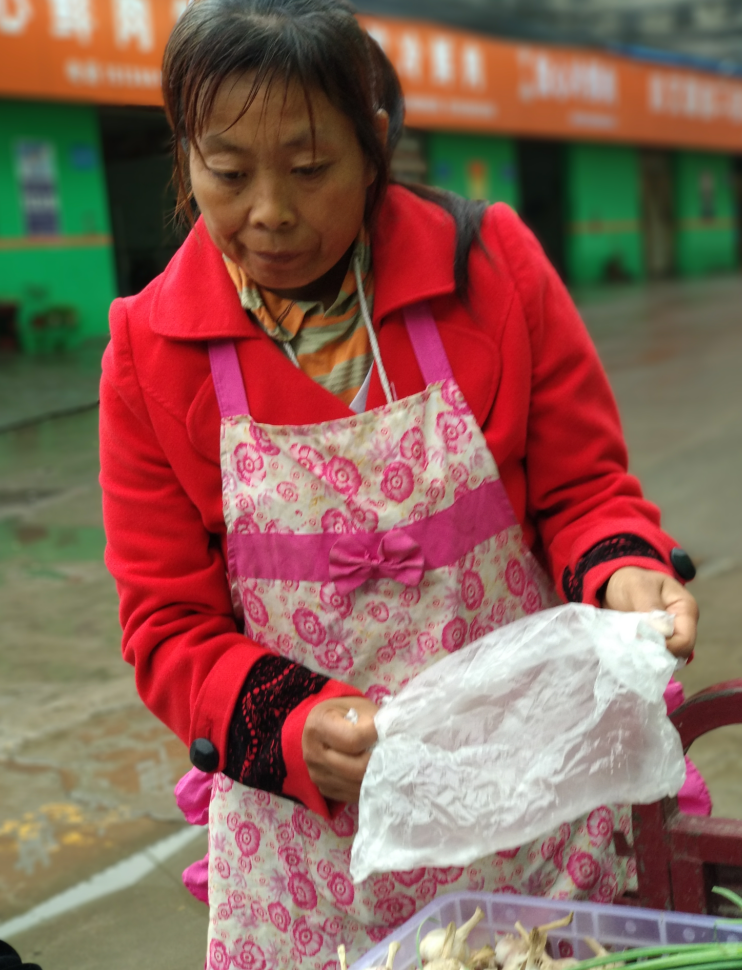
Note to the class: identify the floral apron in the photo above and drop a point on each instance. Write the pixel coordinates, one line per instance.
(366, 548)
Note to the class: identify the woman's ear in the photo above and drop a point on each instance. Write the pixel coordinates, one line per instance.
(381, 123)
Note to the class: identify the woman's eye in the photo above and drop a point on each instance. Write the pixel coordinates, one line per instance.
(228, 176)
(309, 170)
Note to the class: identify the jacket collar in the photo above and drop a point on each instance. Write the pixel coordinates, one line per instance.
(412, 251)
(412, 248)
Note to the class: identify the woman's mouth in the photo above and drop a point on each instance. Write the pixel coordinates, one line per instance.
(279, 258)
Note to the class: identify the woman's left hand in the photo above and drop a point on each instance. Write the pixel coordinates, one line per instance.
(631, 589)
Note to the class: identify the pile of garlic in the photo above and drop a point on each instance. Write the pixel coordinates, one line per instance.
(527, 951)
(447, 949)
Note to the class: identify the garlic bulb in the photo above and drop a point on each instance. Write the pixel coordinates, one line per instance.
(482, 959)
(510, 952)
(389, 965)
(431, 946)
(565, 963)
(445, 961)
(527, 951)
(600, 951)
(391, 954)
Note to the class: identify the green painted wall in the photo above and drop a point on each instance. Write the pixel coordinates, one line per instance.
(73, 270)
(705, 213)
(475, 166)
(603, 214)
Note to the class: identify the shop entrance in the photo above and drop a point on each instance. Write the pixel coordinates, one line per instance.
(409, 161)
(658, 214)
(737, 184)
(8, 326)
(541, 177)
(136, 150)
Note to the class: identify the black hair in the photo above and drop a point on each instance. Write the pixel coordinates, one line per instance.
(320, 45)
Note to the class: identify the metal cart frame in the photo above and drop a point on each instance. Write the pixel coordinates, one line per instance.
(681, 857)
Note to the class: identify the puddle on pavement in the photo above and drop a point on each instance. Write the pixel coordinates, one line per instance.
(32, 387)
(87, 772)
(59, 856)
(49, 456)
(78, 800)
(26, 496)
(22, 540)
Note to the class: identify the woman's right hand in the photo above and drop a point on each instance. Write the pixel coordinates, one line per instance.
(336, 751)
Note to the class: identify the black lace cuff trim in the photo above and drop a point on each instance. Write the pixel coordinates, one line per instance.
(621, 546)
(273, 689)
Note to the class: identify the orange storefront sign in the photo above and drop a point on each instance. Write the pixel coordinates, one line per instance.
(109, 51)
(456, 80)
(102, 51)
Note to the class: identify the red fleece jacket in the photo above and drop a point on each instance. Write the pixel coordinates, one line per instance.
(520, 354)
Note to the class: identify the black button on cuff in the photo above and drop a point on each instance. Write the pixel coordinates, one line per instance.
(204, 755)
(682, 564)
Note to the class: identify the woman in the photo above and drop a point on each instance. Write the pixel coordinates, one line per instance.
(418, 444)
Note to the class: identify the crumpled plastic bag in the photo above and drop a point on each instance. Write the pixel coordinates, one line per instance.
(531, 726)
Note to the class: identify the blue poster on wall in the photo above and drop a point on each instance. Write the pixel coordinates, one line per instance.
(37, 183)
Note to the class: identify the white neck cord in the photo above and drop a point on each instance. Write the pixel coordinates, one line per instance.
(371, 334)
(291, 353)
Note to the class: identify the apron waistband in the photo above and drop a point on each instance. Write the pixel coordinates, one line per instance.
(440, 539)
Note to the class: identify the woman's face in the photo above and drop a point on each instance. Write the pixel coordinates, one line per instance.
(284, 212)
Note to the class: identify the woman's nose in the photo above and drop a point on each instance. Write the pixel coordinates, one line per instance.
(270, 206)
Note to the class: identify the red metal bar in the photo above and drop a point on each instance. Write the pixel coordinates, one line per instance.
(690, 892)
(713, 840)
(652, 848)
(716, 707)
(674, 852)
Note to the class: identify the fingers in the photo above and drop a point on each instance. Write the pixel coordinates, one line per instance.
(339, 776)
(336, 750)
(634, 590)
(678, 601)
(643, 590)
(340, 734)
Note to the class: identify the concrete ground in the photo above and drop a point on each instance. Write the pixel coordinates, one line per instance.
(53, 384)
(87, 772)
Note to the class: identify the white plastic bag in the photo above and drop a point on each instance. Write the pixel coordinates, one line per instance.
(530, 726)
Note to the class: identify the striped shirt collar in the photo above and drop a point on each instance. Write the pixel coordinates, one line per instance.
(282, 318)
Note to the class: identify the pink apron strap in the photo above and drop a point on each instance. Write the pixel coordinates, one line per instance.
(227, 377)
(427, 343)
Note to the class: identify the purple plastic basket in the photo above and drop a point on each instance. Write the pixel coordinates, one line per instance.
(616, 927)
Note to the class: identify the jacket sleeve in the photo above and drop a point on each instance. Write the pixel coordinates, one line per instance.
(194, 667)
(590, 513)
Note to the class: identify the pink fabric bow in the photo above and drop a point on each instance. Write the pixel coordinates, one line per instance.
(398, 557)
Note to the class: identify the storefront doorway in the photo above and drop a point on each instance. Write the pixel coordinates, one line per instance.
(8, 327)
(658, 213)
(737, 186)
(409, 161)
(136, 150)
(541, 177)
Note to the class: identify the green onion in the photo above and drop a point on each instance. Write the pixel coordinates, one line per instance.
(680, 956)
(670, 956)
(733, 898)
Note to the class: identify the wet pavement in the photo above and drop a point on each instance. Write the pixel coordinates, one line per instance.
(87, 772)
(48, 384)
